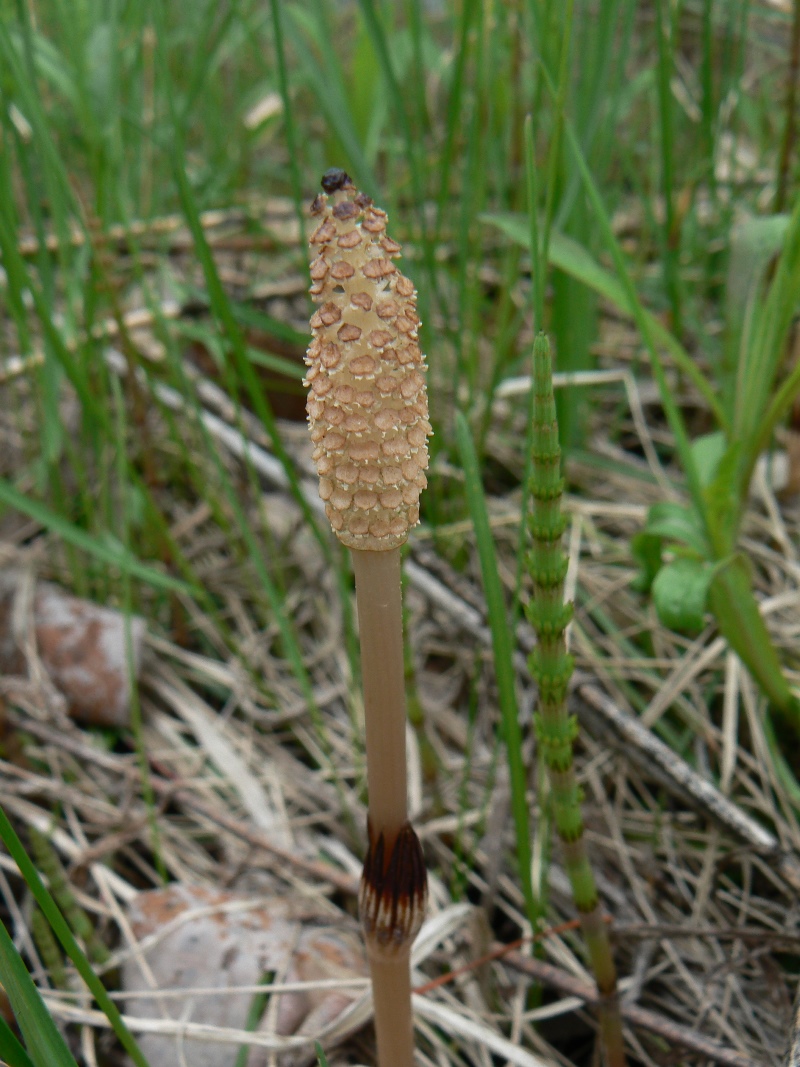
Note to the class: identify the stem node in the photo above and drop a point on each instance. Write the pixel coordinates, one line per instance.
(393, 893)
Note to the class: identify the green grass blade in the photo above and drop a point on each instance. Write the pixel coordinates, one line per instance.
(54, 174)
(753, 244)
(110, 551)
(383, 51)
(137, 727)
(538, 263)
(11, 1052)
(779, 406)
(670, 232)
(215, 24)
(554, 159)
(243, 369)
(470, 9)
(255, 1013)
(643, 323)
(502, 647)
(572, 258)
(574, 326)
(45, 1044)
(288, 115)
(708, 102)
(573, 315)
(70, 945)
(331, 99)
(223, 312)
(765, 349)
(418, 73)
(734, 605)
(289, 639)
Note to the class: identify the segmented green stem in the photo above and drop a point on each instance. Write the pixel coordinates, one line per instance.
(46, 943)
(551, 666)
(81, 925)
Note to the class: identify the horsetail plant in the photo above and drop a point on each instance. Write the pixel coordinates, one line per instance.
(551, 667)
(50, 865)
(368, 415)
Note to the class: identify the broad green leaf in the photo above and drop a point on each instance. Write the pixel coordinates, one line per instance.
(763, 349)
(646, 550)
(680, 592)
(753, 244)
(677, 523)
(741, 623)
(723, 504)
(708, 450)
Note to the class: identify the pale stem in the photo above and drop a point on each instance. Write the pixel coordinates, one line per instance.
(391, 992)
(380, 626)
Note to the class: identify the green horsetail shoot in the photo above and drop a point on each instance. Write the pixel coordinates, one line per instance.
(551, 666)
